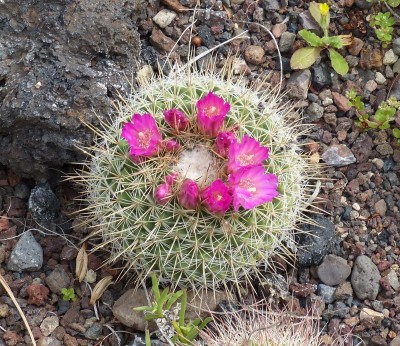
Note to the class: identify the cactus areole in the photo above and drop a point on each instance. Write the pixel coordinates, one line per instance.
(197, 179)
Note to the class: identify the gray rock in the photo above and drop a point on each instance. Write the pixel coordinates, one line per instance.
(364, 4)
(340, 309)
(94, 331)
(365, 278)
(395, 341)
(21, 190)
(164, 18)
(49, 341)
(286, 41)
(44, 205)
(327, 293)
(390, 57)
(396, 46)
(124, 313)
(297, 84)
(206, 35)
(321, 76)
(60, 63)
(270, 5)
(333, 270)
(58, 279)
(362, 147)
(316, 242)
(309, 23)
(27, 254)
(338, 155)
(313, 112)
(384, 149)
(140, 341)
(49, 324)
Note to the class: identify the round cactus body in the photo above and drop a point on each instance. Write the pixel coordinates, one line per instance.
(142, 218)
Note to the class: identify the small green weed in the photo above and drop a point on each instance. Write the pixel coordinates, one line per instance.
(383, 24)
(163, 302)
(305, 57)
(68, 294)
(383, 117)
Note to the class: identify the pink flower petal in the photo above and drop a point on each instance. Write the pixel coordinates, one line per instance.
(223, 142)
(176, 119)
(188, 196)
(171, 179)
(248, 152)
(212, 111)
(163, 194)
(251, 187)
(216, 197)
(143, 135)
(171, 145)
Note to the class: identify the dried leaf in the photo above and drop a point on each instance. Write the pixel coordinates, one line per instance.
(81, 263)
(175, 5)
(99, 289)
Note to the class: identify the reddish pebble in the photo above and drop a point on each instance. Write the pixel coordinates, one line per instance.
(37, 293)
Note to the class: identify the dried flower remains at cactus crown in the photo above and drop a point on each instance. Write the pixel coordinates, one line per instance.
(246, 184)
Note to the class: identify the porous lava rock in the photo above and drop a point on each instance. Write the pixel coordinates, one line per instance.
(61, 61)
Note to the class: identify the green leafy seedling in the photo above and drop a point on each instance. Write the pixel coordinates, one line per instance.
(162, 301)
(305, 57)
(68, 294)
(396, 134)
(383, 117)
(186, 333)
(383, 24)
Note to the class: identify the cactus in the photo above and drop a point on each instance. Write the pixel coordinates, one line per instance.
(185, 247)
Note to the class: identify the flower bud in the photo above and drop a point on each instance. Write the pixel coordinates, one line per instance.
(188, 196)
(163, 194)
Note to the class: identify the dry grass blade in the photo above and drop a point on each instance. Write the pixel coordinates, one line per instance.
(14, 300)
(99, 289)
(81, 263)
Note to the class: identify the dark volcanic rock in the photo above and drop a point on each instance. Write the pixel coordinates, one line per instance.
(316, 242)
(59, 61)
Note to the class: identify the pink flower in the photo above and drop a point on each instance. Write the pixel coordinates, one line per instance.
(162, 194)
(216, 197)
(143, 135)
(188, 196)
(171, 145)
(171, 179)
(223, 142)
(248, 152)
(212, 111)
(251, 187)
(176, 119)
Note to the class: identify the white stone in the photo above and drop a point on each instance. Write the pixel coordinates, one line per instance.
(380, 78)
(164, 18)
(371, 315)
(378, 163)
(393, 280)
(49, 324)
(327, 101)
(389, 58)
(371, 85)
(356, 206)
